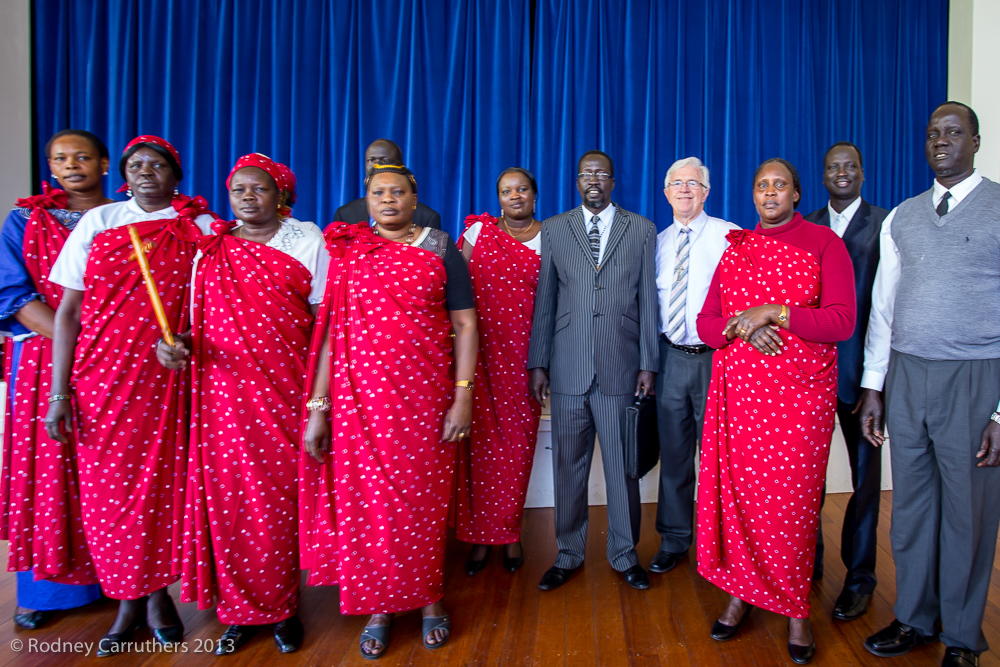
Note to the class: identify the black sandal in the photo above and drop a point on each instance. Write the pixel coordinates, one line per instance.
(378, 633)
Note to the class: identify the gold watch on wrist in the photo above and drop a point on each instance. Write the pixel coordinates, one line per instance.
(319, 404)
(468, 384)
(783, 316)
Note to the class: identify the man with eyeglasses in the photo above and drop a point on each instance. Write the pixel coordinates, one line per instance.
(593, 342)
(687, 253)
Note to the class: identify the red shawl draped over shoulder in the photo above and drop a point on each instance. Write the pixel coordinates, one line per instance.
(132, 421)
(374, 514)
(250, 328)
(493, 471)
(768, 424)
(41, 494)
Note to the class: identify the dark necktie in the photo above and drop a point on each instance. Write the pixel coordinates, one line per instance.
(943, 206)
(595, 238)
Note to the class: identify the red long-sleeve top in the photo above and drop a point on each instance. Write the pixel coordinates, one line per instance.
(833, 321)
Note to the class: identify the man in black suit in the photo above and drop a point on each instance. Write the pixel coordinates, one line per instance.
(858, 223)
(383, 151)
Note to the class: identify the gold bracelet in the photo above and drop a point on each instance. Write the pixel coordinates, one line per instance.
(468, 384)
(319, 404)
(58, 397)
(783, 317)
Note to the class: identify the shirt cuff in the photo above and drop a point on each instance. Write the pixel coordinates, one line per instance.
(873, 380)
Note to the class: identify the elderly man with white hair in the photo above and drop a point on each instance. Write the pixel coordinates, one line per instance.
(687, 253)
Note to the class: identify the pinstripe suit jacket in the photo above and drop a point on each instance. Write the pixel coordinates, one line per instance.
(592, 320)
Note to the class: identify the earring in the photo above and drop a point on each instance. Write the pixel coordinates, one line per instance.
(105, 173)
(128, 192)
(176, 192)
(414, 207)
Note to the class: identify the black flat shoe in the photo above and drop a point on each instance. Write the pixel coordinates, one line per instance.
(474, 567)
(664, 561)
(555, 577)
(896, 639)
(959, 657)
(513, 564)
(32, 620)
(234, 637)
(723, 633)
(288, 634)
(636, 577)
(851, 605)
(114, 643)
(802, 655)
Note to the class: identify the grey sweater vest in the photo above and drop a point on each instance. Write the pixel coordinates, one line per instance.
(948, 299)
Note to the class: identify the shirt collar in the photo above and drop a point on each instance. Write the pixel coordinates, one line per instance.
(850, 211)
(959, 191)
(695, 225)
(605, 217)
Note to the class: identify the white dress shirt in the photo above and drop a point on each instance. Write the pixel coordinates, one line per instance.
(71, 264)
(840, 221)
(604, 220)
(708, 242)
(878, 342)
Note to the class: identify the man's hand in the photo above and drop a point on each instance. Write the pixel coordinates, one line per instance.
(871, 413)
(644, 384)
(989, 446)
(538, 384)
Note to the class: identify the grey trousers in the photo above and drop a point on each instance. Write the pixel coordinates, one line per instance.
(945, 510)
(575, 420)
(681, 391)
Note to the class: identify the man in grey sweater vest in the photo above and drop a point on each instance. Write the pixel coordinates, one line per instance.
(936, 306)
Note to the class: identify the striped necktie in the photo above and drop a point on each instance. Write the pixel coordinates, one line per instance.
(595, 238)
(676, 324)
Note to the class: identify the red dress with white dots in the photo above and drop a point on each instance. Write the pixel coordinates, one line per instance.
(250, 329)
(769, 419)
(132, 413)
(494, 469)
(373, 516)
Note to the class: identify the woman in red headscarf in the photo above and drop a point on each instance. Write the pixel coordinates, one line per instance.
(378, 480)
(256, 288)
(128, 413)
(493, 472)
(40, 495)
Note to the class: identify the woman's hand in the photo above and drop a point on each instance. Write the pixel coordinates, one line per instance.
(59, 420)
(744, 323)
(767, 341)
(174, 358)
(316, 440)
(458, 420)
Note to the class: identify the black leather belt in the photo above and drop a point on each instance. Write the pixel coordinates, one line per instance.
(686, 349)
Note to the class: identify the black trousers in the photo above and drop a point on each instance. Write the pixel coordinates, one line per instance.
(859, 535)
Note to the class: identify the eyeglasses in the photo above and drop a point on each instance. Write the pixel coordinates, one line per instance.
(691, 185)
(600, 175)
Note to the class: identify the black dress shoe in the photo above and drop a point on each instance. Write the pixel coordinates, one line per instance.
(664, 561)
(723, 633)
(513, 564)
(114, 643)
(555, 577)
(32, 620)
(896, 639)
(234, 637)
(172, 634)
(288, 634)
(474, 567)
(851, 605)
(802, 655)
(959, 657)
(636, 577)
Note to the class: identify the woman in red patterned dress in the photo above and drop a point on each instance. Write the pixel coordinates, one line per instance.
(781, 297)
(493, 471)
(40, 495)
(256, 287)
(129, 414)
(377, 484)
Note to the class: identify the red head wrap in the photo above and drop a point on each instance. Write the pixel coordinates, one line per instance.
(261, 162)
(156, 141)
(289, 181)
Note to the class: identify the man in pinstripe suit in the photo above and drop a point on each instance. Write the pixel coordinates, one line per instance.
(594, 339)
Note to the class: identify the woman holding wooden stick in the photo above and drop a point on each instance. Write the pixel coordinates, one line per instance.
(127, 411)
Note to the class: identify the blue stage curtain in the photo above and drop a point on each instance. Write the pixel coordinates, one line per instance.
(469, 87)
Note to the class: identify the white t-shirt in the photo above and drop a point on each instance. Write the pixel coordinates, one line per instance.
(472, 233)
(71, 264)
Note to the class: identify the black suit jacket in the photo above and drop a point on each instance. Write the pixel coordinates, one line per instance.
(357, 211)
(862, 241)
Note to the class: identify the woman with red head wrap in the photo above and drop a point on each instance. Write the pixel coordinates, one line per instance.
(127, 412)
(256, 287)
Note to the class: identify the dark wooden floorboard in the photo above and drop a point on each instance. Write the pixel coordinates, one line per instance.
(500, 618)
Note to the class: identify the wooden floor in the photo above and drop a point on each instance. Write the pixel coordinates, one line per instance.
(503, 619)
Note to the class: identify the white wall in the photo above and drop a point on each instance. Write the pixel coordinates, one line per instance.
(15, 102)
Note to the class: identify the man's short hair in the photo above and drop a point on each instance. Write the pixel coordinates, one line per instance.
(611, 163)
(845, 144)
(689, 162)
(972, 117)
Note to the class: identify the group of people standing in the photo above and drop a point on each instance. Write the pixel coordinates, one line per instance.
(332, 402)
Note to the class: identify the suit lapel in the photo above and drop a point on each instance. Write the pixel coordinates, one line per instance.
(860, 220)
(825, 218)
(618, 226)
(578, 226)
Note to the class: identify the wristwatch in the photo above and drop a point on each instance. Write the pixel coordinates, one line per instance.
(464, 383)
(783, 316)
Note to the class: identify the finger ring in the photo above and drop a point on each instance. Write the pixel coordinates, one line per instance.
(743, 331)
(461, 435)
